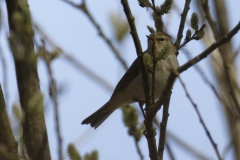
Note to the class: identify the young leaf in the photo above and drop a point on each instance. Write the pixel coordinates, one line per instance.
(194, 21)
(73, 153)
(200, 34)
(144, 3)
(151, 29)
(147, 61)
(188, 34)
(164, 7)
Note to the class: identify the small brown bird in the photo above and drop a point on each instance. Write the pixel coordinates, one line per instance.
(129, 89)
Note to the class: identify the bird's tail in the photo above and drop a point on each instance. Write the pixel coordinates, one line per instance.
(98, 117)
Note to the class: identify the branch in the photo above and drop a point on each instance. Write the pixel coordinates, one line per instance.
(68, 57)
(208, 16)
(150, 130)
(200, 118)
(53, 94)
(169, 150)
(187, 147)
(182, 23)
(21, 43)
(235, 54)
(8, 144)
(207, 81)
(163, 127)
(83, 7)
(192, 38)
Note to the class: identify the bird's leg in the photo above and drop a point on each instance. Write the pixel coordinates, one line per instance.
(141, 103)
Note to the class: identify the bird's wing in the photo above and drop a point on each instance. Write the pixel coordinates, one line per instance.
(131, 73)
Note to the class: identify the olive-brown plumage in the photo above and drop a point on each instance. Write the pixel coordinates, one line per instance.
(130, 89)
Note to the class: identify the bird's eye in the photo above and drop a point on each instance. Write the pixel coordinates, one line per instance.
(160, 39)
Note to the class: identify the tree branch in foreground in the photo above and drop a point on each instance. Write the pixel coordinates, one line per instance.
(182, 23)
(150, 130)
(83, 7)
(31, 99)
(8, 144)
(200, 118)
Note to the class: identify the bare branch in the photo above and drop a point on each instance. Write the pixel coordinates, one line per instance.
(5, 76)
(192, 38)
(150, 130)
(83, 7)
(163, 128)
(182, 23)
(169, 150)
(87, 72)
(8, 144)
(53, 94)
(200, 118)
(207, 81)
(21, 33)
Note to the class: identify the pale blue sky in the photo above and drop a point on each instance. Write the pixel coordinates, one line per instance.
(73, 32)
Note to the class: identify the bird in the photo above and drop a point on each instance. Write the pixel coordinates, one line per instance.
(130, 87)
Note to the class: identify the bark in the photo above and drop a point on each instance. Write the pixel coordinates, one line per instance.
(31, 100)
(8, 144)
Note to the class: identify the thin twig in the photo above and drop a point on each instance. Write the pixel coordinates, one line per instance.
(207, 81)
(150, 130)
(182, 144)
(154, 7)
(87, 72)
(153, 73)
(169, 150)
(235, 54)
(5, 76)
(188, 148)
(192, 38)
(200, 118)
(208, 16)
(83, 7)
(182, 23)
(53, 94)
(163, 128)
(75, 62)
(209, 50)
